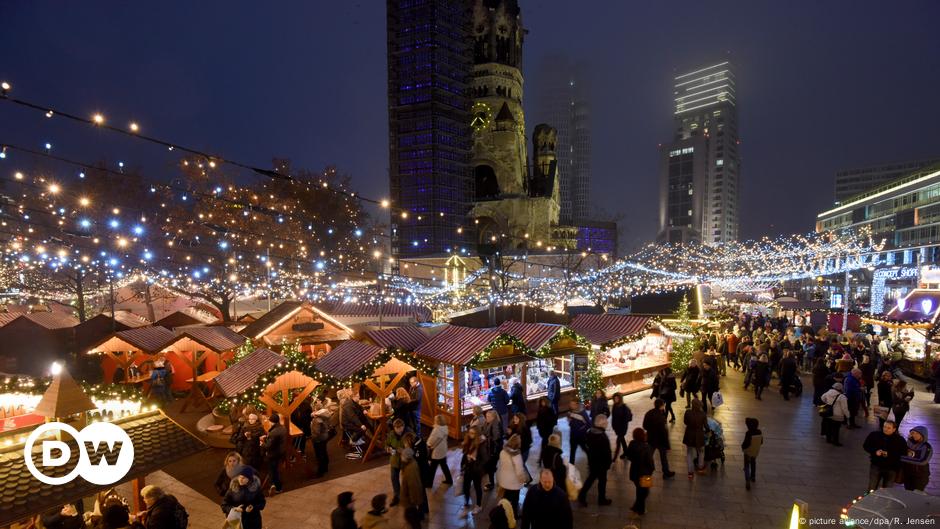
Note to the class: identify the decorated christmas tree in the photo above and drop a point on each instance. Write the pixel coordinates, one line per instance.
(590, 381)
(682, 348)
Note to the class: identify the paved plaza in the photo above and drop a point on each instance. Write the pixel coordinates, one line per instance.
(794, 463)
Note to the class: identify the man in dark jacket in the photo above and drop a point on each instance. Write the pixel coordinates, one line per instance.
(578, 425)
(343, 516)
(886, 448)
(273, 447)
(546, 506)
(163, 511)
(517, 396)
(787, 374)
(710, 383)
(554, 390)
(599, 458)
(620, 418)
(416, 393)
(694, 437)
(657, 435)
(499, 399)
(301, 418)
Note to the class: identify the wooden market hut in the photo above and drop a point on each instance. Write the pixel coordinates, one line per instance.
(186, 317)
(630, 349)
(30, 342)
(93, 330)
(133, 346)
(298, 321)
(197, 350)
(378, 316)
(157, 440)
(377, 368)
(912, 325)
(241, 376)
(405, 338)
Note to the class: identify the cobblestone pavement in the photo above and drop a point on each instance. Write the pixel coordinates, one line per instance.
(794, 463)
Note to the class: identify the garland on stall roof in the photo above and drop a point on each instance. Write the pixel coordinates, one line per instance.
(38, 386)
(501, 341)
(563, 334)
(613, 344)
(382, 359)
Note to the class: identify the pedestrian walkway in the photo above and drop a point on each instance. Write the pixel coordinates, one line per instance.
(794, 463)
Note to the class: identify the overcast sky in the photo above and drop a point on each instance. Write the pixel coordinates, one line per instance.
(821, 86)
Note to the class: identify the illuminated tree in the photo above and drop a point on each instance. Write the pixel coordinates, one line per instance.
(683, 348)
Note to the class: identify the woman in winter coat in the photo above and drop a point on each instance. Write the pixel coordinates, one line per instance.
(412, 487)
(820, 372)
(552, 459)
(665, 389)
(518, 425)
(840, 412)
(437, 444)
(694, 437)
(641, 464)
(916, 462)
(493, 435)
(710, 384)
(619, 422)
(230, 469)
(902, 397)
(599, 405)
(245, 496)
(691, 382)
(472, 468)
(248, 443)
(517, 397)
(511, 475)
(403, 408)
(545, 420)
(761, 376)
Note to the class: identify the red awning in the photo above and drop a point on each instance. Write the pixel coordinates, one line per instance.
(348, 358)
(407, 338)
(600, 329)
(457, 345)
(533, 335)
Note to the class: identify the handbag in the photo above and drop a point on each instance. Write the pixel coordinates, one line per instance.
(717, 399)
(646, 481)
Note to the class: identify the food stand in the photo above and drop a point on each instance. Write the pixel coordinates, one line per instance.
(911, 325)
(630, 349)
(131, 347)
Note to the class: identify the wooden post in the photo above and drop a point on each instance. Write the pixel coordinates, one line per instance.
(136, 486)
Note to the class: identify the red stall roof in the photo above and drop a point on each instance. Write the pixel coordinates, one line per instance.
(457, 345)
(533, 335)
(245, 373)
(348, 358)
(407, 338)
(605, 328)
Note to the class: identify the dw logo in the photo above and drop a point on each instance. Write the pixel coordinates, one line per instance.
(106, 453)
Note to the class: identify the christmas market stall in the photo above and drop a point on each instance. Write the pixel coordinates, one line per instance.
(157, 442)
(47, 333)
(198, 354)
(298, 322)
(630, 349)
(552, 348)
(911, 327)
(406, 338)
(135, 348)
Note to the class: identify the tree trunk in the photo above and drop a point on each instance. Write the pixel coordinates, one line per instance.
(148, 300)
(80, 294)
(224, 304)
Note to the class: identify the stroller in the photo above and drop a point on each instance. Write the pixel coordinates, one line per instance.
(714, 443)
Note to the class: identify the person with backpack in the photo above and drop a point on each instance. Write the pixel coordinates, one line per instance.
(320, 434)
(753, 440)
(834, 412)
(272, 445)
(620, 421)
(578, 424)
(246, 498)
(163, 511)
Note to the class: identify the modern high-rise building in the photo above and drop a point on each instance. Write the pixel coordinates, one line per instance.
(430, 58)
(851, 182)
(700, 169)
(562, 101)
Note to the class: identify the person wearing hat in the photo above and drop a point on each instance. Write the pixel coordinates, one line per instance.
(840, 412)
(245, 496)
(916, 461)
(343, 516)
(375, 519)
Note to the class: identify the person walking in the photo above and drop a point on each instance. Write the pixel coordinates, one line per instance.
(710, 385)
(788, 369)
(886, 447)
(375, 518)
(761, 375)
(230, 468)
(599, 405)
(552, 459)
(301, 417)
(691, 382)
(654, 422)
(511, 474)
(517, 403)
(273, 444)
(820, 374)
(695, 421)
(753, 440)
(499, 399)
(554, 390)
(640, 455)
(666, 390)
(915, 463)
(246, 498)
(320, 434)
(620, 421)
(840, 411)
(599, 458)
(901, 398)
(519, 425)
(343, 516)
(545, 420)
(472, 469)
(503, 516)
(247, 441)
(852, 385)
(493, 436)
(578, 426)
(546, 506)
(413, 493)
(437, 443)
(394, 444)
(416, 394)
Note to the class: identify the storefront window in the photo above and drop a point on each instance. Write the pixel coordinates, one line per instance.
(446, 384)
(480, 381)
(912, 344)
(537, 373)
(649, 351)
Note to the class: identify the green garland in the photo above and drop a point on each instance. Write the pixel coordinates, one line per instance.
(501, 341)
(38, 386)
(563, 334)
